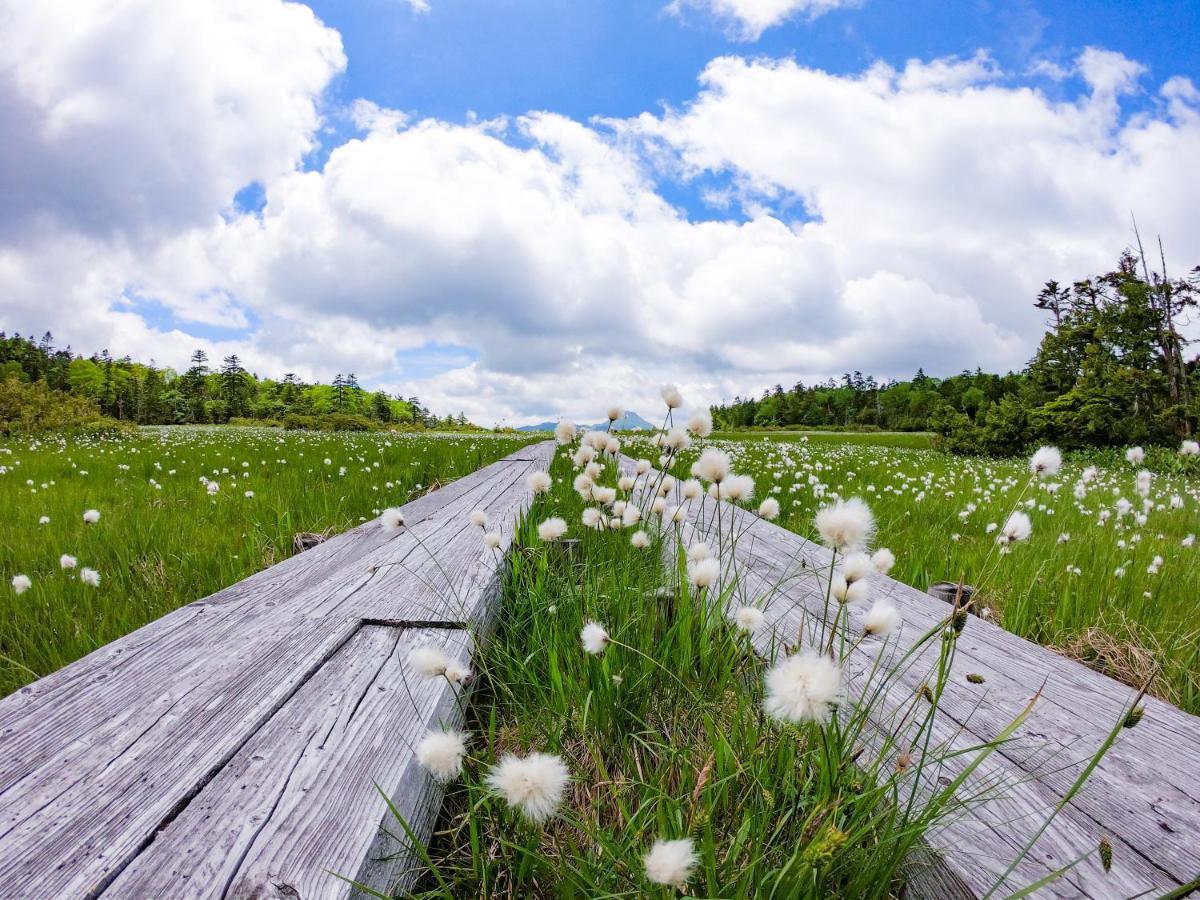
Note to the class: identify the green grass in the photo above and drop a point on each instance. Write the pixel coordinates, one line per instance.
(157, 548)
(1126, 624)
(665, 737)
(915, 440)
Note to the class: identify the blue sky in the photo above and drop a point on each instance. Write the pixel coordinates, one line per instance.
(617, 58)
(789, 218)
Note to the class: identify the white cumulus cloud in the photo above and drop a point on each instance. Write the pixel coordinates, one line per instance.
(746, 20)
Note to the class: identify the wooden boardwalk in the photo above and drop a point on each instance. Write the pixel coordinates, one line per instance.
(1144, 798)
(233, 747)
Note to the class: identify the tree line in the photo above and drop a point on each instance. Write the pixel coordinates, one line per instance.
(146, 394)
(1110, 370)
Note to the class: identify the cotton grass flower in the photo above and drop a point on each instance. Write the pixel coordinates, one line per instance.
(1190, 448)
(431, 662)
(391, 520)
(845, 525)
(564, 432)
(441, 753)
(1046, 462)
(67, 561)
(614, 413)
(713, 465)
(670, 862)
(698, 551)
(882, 618)
(478, 518)
(1016, 528)
(704, 573)
(595, 639)
(534, 784)
(1144, 479)
(738, 487)
(700, 423)
(769, 509)
(491, 540)
(640, 539)
(44, 520)
(89, 577)
(538, 482)
(1135, 455)
(552, 529)
(671, 396)
(21, 583)
(91, 516)
(856, 567)
(748, 618)
(883, 559)
(592, 518)
(803, 688)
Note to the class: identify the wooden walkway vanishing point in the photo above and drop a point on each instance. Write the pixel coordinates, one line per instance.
(233, 747)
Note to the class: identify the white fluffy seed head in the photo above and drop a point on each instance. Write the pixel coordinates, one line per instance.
(625, 483)
(391, 520)
(643, 466)
(856, 567)
(91, 516)
(538, 482)
(630, 516)
(442, 752)
(21, 583)
(429, 661)
(699, 551)
(639, 539)
(705, 572)
(882, 618)
(594, 637)
(1045, 462)
(1190, 448)
(700, 423)
(883, 559)
(691, 489)
(592, 517)
(564, 432)
(748, 618)
(738, 487)
(89, 577)
(478, 518)
(67, 561)
(803, 688)
(534, 784)
(1016, 528)
(846, 525)
(671, 396)
(769, 509)
(614, 413)
(1135, 455)
(677, 439)
(552, 529)
(670, 862)
(713, 465)
(491, 540)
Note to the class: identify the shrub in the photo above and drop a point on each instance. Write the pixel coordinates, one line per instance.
(28, 408)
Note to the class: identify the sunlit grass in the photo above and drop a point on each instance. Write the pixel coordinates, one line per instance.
(157, 548)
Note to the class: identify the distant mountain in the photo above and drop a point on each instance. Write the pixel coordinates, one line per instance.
(631, 421)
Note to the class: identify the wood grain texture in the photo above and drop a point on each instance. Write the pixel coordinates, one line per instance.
(99, 759)
(298, 805)
(1144, 797)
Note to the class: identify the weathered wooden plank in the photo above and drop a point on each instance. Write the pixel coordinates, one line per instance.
(299, 802)
(1143, 797)
(71, 826)
(96, 758)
